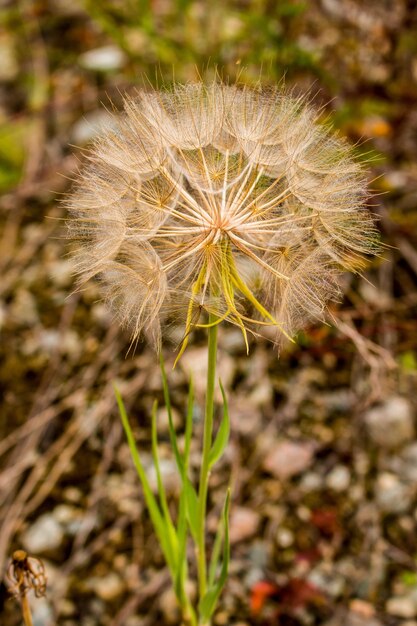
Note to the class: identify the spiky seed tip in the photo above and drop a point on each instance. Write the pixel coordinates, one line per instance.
(224, 200)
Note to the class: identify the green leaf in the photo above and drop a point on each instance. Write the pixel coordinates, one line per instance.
(13, 142)
(153, 508)
(223, 433)
(215, 555)
(408, 361)
(182, 513)
(161, 489)
(208, 602)
(191, 500)
(188, 426)
(172, 433)
(181, 573)
(409, 578)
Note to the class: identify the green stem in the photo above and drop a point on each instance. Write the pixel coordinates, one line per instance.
(188, 612)
(207, 442)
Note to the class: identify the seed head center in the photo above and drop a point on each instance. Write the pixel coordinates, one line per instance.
(220, 228)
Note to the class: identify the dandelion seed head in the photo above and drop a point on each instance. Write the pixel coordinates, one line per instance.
(221, 200)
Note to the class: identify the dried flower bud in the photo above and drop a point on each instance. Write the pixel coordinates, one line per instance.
(223, 199)
(24, 573)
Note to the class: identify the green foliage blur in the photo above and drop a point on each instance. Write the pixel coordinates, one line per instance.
(187, 34)
(42, 44)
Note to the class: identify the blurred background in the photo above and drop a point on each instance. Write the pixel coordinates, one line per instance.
(323, 453)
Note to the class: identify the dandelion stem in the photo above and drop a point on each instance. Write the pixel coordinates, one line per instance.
(27, 616)
(207, 441)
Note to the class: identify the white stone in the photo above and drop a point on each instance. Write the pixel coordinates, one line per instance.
(42, 613)
(90, 126)
(169, 606)
(408, 463)
(285, 537)
(243, 524)
(401, 607)
(288, 458)
(392, 496)
(169, 475)
(362, 608)
(390, 424)
(332, 584)
(73, 494)
(103, 59)
(70, 517)
(194, 363)
(311, 481)
(107, 587)
(262, 394)
(43, 535)
(338, 479)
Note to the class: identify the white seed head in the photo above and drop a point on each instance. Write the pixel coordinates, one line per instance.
(221, 199)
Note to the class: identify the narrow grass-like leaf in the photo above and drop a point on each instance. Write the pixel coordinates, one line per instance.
(208, 602)
(229, 291)
(215, 555)
(182, 569)
(195, 288)
(188, 426)
(161, 489)
(182, 511)
(181, 572)
(191, 500)
(172, 433)
(153, 508)
(223, 433)
(242, 286)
